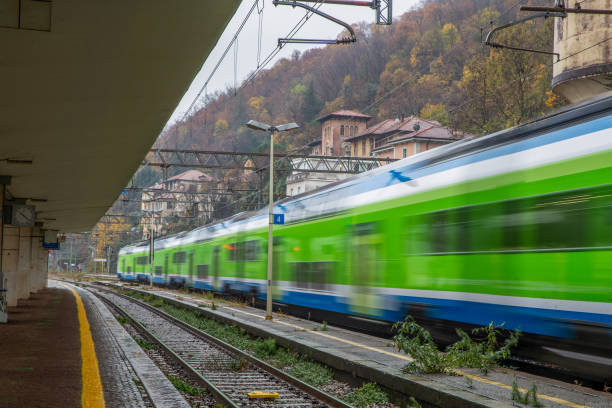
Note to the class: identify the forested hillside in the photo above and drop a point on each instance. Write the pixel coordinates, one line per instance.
(429, 62)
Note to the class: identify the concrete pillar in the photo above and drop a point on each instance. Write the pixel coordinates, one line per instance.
(10, 260)
(36, 243)
(24, 267)
(40, 268)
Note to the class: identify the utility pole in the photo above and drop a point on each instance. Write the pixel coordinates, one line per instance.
(252, 124)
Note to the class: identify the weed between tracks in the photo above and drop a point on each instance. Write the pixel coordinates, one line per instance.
(297, 365)
(186, 387)
(144, 344)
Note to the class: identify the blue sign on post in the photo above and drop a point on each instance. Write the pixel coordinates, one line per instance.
(279, 219)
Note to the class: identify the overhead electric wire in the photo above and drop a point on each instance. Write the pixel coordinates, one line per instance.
(278, 48)
(216, 67)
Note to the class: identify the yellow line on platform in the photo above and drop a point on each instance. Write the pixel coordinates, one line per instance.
(400, 356)
(91, 395)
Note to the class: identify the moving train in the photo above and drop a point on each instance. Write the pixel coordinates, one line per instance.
(513, 228)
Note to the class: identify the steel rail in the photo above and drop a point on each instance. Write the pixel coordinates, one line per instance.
(219, 395)
(304, 387)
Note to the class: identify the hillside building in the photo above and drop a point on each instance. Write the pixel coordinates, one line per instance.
(345, 133)
(400, 138)
(180, 197)
(337, 126)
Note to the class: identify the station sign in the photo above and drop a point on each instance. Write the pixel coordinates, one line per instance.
(279, 219)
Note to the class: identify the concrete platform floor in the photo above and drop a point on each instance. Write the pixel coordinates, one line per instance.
(63, 348)
(367, 355)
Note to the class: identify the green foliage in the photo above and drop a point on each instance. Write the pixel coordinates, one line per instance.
(529, 398)
(265, 348)
(312, 373)
(144, 343)
(482, 352)
(417, 342)
(367, 395)
(122, 320)
(324, 327)
(186, 387)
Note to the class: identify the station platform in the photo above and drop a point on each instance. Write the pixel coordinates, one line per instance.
(63, 348)
(374, 359)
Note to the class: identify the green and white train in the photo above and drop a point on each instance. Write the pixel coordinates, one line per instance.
(513, 228)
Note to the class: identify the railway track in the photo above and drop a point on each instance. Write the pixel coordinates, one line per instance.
(228, 373)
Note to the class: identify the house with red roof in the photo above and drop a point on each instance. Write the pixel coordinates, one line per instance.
(337, 126)
(401, 137)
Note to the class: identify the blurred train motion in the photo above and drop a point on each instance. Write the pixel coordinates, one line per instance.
(512, 228)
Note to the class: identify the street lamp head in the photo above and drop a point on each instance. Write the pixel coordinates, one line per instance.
(287, 126)
(255, 125)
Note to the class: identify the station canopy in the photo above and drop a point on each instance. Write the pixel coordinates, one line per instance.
(87, 86)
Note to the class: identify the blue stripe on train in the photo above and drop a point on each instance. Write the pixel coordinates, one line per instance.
(528, 319)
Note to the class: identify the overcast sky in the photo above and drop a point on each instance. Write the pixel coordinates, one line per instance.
(277, 22)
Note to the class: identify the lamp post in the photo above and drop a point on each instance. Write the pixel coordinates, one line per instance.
(253, 124)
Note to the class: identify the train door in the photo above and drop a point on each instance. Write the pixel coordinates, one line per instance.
(190, 266)
(365, 269)
(134, 266)
(166, 263)
(216, 268)
(277, 266)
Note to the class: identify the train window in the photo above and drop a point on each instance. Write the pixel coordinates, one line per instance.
(512, 223)
(252, 250)
(462, 228)
(179, 257)
(312, 275)
(142, 260)
(439, 232)
(562, 221)
(158, 270)
(202, 271)
(244, 251)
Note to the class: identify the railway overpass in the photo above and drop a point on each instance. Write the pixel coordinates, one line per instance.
(86, 88)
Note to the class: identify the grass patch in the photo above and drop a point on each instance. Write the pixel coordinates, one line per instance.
(312, 373)
(483, 351)
(367, 395)
(186, 387)
(144, 344)
(529, 398)
(137, 381)
(266, 348)
(324, 327)
(121, 319)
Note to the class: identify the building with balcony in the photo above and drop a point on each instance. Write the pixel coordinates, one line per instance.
(183, 196)
(401, 137)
